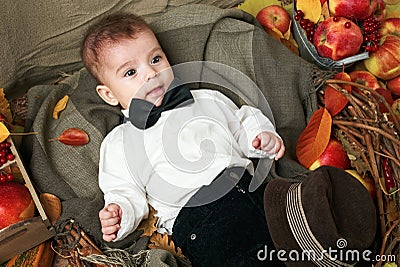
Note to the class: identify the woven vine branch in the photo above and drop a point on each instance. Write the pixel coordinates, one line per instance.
(370, 138)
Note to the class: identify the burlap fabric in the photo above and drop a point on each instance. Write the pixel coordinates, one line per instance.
(40, 39)
(187, 33)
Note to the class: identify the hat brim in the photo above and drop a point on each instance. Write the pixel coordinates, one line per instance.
(281, 234)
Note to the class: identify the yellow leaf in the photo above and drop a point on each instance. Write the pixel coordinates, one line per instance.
(162, 241)
(148, 225)
(5, 107)
(254, 6)
(391, 2)
(392, 11)
(325, 11)
(275, 33)
(60, 106)
(390, 264)
(288, 33)
(4, 133)
(311, 9)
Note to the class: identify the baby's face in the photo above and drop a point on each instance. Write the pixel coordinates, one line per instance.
(136, 68)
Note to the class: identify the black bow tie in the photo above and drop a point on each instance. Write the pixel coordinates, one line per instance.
(144, 114)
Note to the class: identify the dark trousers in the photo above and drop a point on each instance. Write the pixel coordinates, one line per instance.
(229, 231)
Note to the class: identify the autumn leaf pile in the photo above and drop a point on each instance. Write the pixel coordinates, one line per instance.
(157, 240)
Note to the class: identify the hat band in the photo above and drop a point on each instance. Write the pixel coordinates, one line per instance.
(301, 230)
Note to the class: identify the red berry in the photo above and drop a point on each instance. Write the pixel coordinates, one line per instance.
(347, 25)
(297, 17)
(8, 144)
(304, 22)
(300, 13)
(10, 157)
(336, 19)
(10, 177)
(3, 178)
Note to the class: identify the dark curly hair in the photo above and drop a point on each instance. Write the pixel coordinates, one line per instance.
(107, 31)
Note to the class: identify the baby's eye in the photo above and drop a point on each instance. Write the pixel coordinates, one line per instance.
(155, 60)
(129, 73)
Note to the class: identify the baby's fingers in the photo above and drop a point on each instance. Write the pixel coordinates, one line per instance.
(104, 214)
(280, 150)
(110, 229)
(109, 222)
(109, 238)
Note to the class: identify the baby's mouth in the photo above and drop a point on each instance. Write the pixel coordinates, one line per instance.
(156, 92)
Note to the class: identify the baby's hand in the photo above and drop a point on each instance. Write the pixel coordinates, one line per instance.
(110, 218)
(269, 143)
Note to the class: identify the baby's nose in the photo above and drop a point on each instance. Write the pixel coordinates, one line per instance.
(151, 73)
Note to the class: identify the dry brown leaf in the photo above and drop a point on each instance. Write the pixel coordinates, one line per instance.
(163, 241)
(311, 9)
(275, 33)
(391, 209)
(60, 106)
(5, 106)
(149, 225)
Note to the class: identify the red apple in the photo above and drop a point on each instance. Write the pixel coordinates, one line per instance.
(390, 26)
(16, 203)
(274, 16)
(394, 85)
(337, 38)
(366, 181)
(333, 155)
(356, 10)
(385, 63)
(365, 78)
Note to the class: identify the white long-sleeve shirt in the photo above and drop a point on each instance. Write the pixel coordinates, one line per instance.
(169, 162)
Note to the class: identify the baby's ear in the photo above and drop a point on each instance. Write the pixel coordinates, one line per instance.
(106, 94)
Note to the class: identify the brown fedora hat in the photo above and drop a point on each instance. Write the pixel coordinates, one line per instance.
(326, 219)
